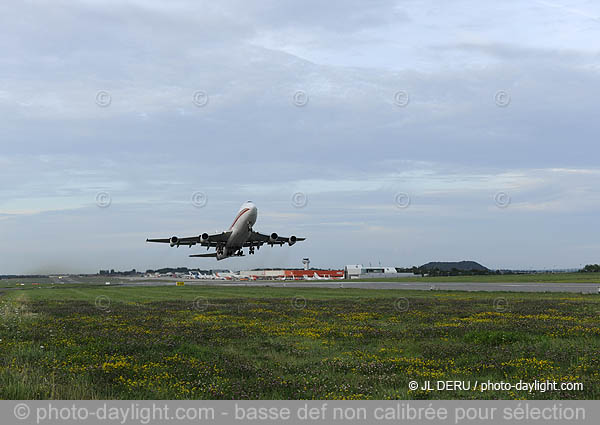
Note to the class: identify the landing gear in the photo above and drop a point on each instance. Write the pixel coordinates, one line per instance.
(251, 250)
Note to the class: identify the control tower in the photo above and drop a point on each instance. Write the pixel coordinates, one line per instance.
(306, 263)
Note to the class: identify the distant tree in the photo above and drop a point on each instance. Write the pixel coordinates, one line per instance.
(591, 268)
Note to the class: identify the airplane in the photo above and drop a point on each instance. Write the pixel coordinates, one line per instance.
(231, 242)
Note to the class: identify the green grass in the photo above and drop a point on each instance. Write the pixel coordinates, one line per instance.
(67, 281)
(290, 343)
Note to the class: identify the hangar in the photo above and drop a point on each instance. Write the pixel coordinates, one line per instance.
(358, 271)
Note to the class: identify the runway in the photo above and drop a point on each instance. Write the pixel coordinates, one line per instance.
(573, 287)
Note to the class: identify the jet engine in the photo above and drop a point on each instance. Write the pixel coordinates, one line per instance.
(204, 237)
(273, 238)
(292, 240)
(174, 240)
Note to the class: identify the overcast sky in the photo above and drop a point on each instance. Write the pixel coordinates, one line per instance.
(398, 132)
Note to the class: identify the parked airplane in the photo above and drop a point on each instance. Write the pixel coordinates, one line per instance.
(225, 275)
(231, 242)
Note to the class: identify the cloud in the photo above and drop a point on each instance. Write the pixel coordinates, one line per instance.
(351, 148)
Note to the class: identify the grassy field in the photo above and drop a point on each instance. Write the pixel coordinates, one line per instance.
(65, 280)
(290, 343)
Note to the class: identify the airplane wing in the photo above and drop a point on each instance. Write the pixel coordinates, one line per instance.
(212, 254)
(203, 240)
(272, 239)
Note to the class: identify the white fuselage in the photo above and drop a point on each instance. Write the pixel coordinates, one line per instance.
(240, 229)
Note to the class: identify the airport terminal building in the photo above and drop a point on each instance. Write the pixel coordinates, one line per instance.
(283, 274)
(358, 271)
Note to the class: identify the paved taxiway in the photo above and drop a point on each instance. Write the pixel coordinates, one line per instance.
(442, 286)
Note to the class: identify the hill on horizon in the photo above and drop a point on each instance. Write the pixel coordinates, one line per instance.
(447, 266)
